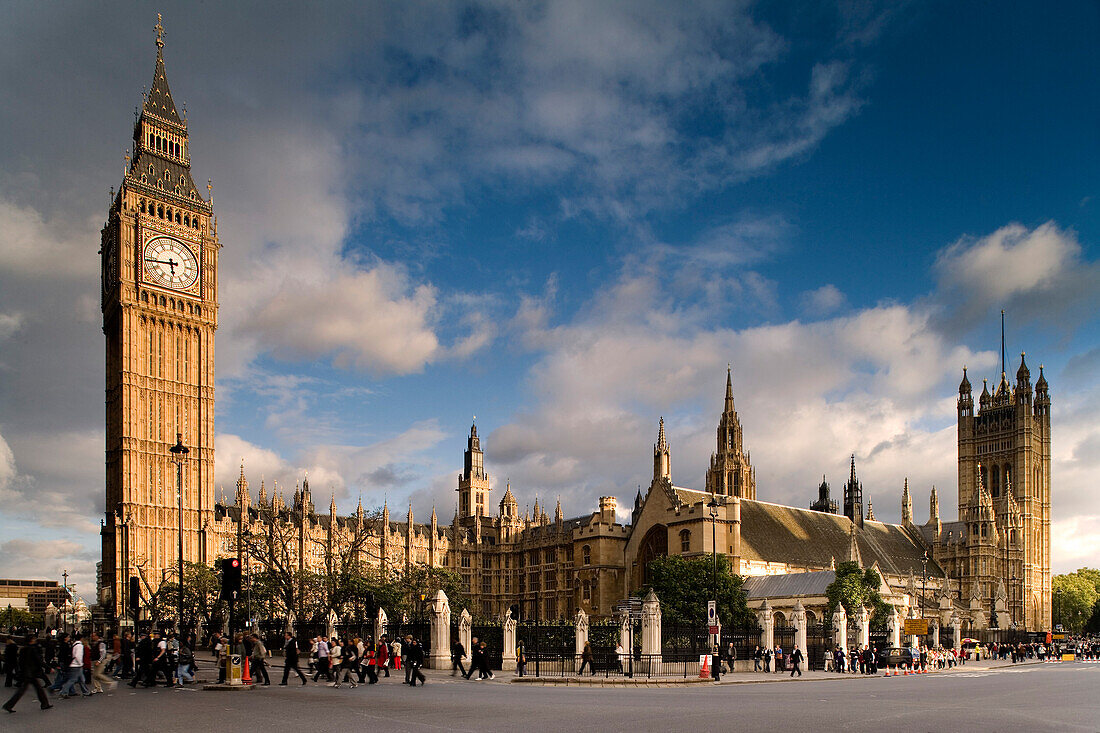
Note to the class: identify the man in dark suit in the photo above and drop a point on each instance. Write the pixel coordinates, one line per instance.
(796, 660)
(30, 670)
(290, 659)
(416, 661)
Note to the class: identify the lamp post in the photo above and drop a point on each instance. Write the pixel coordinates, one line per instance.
(712, 505)
(1011, 599)
(179, 450)
(924, 581)
(65, 599)
(1058, 603)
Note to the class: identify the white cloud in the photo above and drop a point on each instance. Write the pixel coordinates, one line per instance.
(47, 559)
(373, 321)
(1036, 274)
(823, 301)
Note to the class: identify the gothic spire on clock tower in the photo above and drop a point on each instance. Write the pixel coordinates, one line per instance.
(160, 306)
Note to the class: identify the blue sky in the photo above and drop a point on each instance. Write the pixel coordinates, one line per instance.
(567, 218)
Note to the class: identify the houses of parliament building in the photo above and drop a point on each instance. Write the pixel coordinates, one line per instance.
(159, 250)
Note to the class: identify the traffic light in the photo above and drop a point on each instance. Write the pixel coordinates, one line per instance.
(231, 578)
(134, 596)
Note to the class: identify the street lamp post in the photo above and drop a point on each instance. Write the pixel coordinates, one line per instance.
(179, 450)
(1058, 603)
(65, 598)
(924, 581)
(712, 505)
(1011, 602)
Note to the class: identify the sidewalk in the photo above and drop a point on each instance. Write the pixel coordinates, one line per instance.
(275, 671)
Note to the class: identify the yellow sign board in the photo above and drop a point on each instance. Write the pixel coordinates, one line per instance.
(1058, 637)
(1068, 657)
(916, 626)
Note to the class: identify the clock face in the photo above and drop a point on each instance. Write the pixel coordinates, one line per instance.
(110, 268)
(170, 263)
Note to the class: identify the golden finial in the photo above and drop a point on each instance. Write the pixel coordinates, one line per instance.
(160, 32)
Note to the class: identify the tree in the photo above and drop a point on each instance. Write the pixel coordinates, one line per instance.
(423, 581)
(854, 587)
(684, 585)
(201, 588)
(19, 618)
(1079, 594)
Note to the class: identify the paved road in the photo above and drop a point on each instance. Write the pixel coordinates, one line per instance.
(1062, 697)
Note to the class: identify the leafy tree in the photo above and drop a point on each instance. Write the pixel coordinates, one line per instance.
(1093, 625)
(19, 618)
(684, 585)
(201, 588)
(421, 580)
(854, 587)
(1080, 591)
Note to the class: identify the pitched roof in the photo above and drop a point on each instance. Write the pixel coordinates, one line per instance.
(782, 534)
(788, 586)
(159, 99)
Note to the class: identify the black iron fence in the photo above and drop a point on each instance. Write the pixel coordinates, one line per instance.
(745, 640)
(420, 630)
(675, 665)
(492, 635)
(685, 640)
(819, 646)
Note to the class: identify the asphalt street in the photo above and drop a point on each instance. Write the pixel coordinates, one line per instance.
(1037, 697)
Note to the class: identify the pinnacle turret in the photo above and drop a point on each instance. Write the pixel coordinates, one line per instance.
(906, 504)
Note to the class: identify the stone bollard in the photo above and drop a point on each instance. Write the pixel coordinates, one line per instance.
(465, 634)
(440, 613)
(651, 632)
(508, 653)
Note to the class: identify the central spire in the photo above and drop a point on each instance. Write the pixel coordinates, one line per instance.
(729, 390)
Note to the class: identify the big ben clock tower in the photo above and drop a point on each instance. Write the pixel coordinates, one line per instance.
(160, 311)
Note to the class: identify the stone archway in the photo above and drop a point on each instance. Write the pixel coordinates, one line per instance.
(654, 545)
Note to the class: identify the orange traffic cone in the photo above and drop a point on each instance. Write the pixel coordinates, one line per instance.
(245, 678)
(886, 672)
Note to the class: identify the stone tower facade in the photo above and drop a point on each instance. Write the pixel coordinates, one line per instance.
(1004, 495)
(730, 472)
(160, 310)
(473, 482)
(853, 496)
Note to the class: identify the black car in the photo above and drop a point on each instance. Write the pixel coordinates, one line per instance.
(895, 657)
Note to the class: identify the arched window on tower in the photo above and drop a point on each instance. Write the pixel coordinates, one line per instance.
(685, 540)
(995, 482)
(586, 555)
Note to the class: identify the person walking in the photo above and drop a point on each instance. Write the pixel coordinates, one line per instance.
(796, 661)
(11, 662)
(258, 660)
(757, 657)
(620, 656)
(382, 657)
(290, 659)
(458, 652)
(395, 654)
(484, 672)
(75, 672)
(348, 664)
(322, 660)
(521, 659)
(30, 670)
(183, 668)
(586, 660)
(403, 651)
(100, 658)
(475, 659)
(415, 660)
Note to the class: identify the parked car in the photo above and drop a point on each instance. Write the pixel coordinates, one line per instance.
(895, 656)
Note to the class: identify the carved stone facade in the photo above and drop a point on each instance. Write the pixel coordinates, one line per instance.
(1002, 536)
